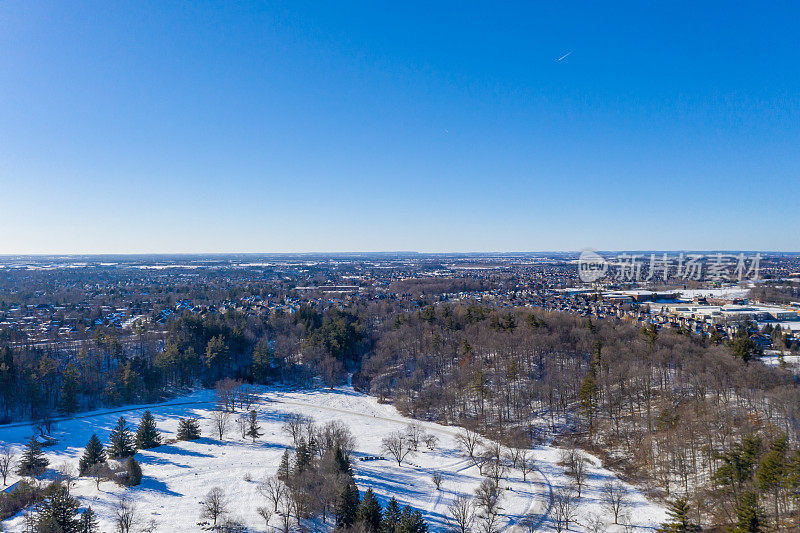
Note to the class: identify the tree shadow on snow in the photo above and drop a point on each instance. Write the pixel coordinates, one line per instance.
(151, 484)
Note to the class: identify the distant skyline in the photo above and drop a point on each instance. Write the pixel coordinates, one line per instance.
(165, 127)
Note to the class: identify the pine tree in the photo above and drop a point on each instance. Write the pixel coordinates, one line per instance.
(749, 515)
(88, 522)
(392, 515)
(369, 512)
(69, 388)
(347, 508)
(188, 429)
(59, 511)
(772, 472)
(121, 441)
(147, 435)
(93, 454)
(134, 472)
(283, 468)
(33, 462)
(412, 521)
(262, 361)
(343, 462)
(302, 457)
(588, 396)
(253, 429)
(679, 522)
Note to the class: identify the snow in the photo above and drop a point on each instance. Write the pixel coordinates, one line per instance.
(178, 475)
(725, 292)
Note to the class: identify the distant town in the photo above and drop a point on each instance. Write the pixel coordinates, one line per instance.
(58, 301)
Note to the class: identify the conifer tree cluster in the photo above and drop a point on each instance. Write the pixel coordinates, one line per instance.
(188, 429)
(319, 484)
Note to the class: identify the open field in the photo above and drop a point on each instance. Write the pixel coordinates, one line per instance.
(178, 475)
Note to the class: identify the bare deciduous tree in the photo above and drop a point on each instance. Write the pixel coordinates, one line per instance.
(65, 474)
(214, 504)
(125, 515)
(615, 498)
(595, 523)
(576, 468)
(437, 478)
(6, 462)
(526, 464)
(266, 514)
(496, 471)
(396, 445)
(243, 422)
(227, 392)
(247, 396)
(531, 522)
(274, 490)
(469, 441)
(150, 527)
(415, 434)
(513, 456)
(221, 421)
(487, 499)
(286, 515)
(100, 472)
(336, 434)
(431, 441)
(293, 424)
(565, 507)
(461, 515)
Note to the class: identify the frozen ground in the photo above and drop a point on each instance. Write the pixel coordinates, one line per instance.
(177, 476)
(725, 292)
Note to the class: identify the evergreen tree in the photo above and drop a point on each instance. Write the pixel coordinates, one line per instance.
(749, 515)
(68, 403)
(147, 435)
(347, 508)
(588, 396)
(88, 522)
(253, 429)
(283, 468)
(392, 515)
(188, 429)
(411, 521)
(369, 512)
(302, 457)
(343, 462)
(134, 472)
(33, 462)
(679, 522)
(262, 361)
(58, 511)
(121, 441)
(772, 472)
(93, 454)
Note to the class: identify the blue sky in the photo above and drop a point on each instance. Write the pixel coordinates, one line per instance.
(297, 126)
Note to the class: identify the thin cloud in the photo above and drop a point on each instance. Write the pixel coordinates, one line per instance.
(562, 58)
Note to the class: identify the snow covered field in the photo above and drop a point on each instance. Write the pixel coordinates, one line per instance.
(177, 476)
(725, 292)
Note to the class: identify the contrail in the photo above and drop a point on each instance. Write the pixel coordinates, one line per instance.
(564, 56)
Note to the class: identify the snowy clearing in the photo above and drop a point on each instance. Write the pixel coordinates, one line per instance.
(178, 475)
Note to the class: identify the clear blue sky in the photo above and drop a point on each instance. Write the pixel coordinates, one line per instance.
(296, 126)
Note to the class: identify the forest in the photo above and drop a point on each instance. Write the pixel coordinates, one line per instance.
(696, 421)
